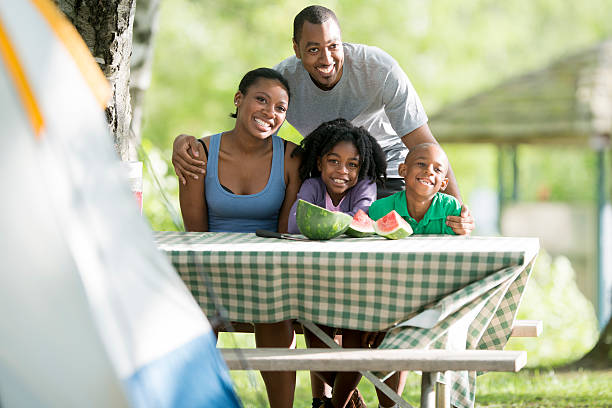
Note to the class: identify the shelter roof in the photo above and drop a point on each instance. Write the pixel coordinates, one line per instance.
(567, 102)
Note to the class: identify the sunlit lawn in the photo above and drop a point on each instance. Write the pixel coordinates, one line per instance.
(545, 388)
(528, 388)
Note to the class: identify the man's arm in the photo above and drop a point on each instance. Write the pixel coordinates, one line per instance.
(463, 224)
(188, 158)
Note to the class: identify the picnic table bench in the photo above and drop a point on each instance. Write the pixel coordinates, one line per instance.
(430, 362)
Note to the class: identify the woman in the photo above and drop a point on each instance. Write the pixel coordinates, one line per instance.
(250, 183)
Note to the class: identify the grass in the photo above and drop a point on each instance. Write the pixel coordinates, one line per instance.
(545, 388)
(528, 388)
(534, 387)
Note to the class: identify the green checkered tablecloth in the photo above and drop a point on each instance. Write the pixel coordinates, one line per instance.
(433, 291)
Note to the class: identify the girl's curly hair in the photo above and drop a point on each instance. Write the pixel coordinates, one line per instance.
(317, 144)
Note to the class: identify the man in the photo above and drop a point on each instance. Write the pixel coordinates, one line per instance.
(330, 79)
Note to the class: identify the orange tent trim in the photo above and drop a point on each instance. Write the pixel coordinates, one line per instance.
(73, 42)
(16, 73)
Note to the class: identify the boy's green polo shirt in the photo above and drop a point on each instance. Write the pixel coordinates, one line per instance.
(434, 221)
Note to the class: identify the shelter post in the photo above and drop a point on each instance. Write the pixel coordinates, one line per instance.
(604, 233)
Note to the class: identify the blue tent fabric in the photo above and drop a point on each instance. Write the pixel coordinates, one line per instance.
(192, 376)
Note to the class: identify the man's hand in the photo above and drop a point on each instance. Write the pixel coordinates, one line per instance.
(186, 150)
(463, 224)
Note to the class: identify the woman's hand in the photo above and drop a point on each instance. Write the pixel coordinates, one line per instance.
(463, 224)
(188, 158)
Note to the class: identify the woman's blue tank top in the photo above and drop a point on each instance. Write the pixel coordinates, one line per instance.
(229, 212)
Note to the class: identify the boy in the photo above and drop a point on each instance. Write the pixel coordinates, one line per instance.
(422, 204)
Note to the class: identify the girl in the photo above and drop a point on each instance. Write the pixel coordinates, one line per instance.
(250, 183)
(340, 166)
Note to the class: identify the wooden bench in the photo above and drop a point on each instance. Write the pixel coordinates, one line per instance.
(324, 359)
(526, 328)
(430, 362)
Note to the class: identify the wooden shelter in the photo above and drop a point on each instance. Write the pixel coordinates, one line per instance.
(568, 102)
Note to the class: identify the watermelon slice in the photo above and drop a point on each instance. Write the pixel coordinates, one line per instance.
(362, 225)
(393, 226)
(318, 223)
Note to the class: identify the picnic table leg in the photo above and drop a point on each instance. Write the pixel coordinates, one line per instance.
(389, 392)
(367, 374)
(443, 393)
(428, 390)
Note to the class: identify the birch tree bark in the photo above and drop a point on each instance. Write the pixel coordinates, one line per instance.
(106, 27)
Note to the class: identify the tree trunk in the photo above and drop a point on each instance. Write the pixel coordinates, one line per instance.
(600, 356)
(106, 27)
(145, 28)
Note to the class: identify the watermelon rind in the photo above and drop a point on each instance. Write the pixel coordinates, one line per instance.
(402, 230)
(316, 222)
(361, 226)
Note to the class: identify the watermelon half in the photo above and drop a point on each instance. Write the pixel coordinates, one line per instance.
(318, 223)
(362, 225)
(393, 226)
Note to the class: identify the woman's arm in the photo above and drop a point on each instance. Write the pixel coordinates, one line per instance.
(292, 186)
(193, 203)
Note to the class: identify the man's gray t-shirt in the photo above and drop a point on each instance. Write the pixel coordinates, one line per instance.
(373, 92)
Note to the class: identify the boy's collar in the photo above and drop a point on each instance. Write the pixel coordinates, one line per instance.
(432, 213)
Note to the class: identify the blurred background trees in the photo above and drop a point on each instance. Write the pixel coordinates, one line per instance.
(449, 50)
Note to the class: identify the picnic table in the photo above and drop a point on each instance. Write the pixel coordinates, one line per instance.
(442, 292)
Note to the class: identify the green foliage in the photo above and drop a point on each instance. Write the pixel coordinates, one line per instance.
(570, 325)
(555, 173)
(160, 189)
(471, 165)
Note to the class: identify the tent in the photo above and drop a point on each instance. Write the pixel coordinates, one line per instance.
(91, 313)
